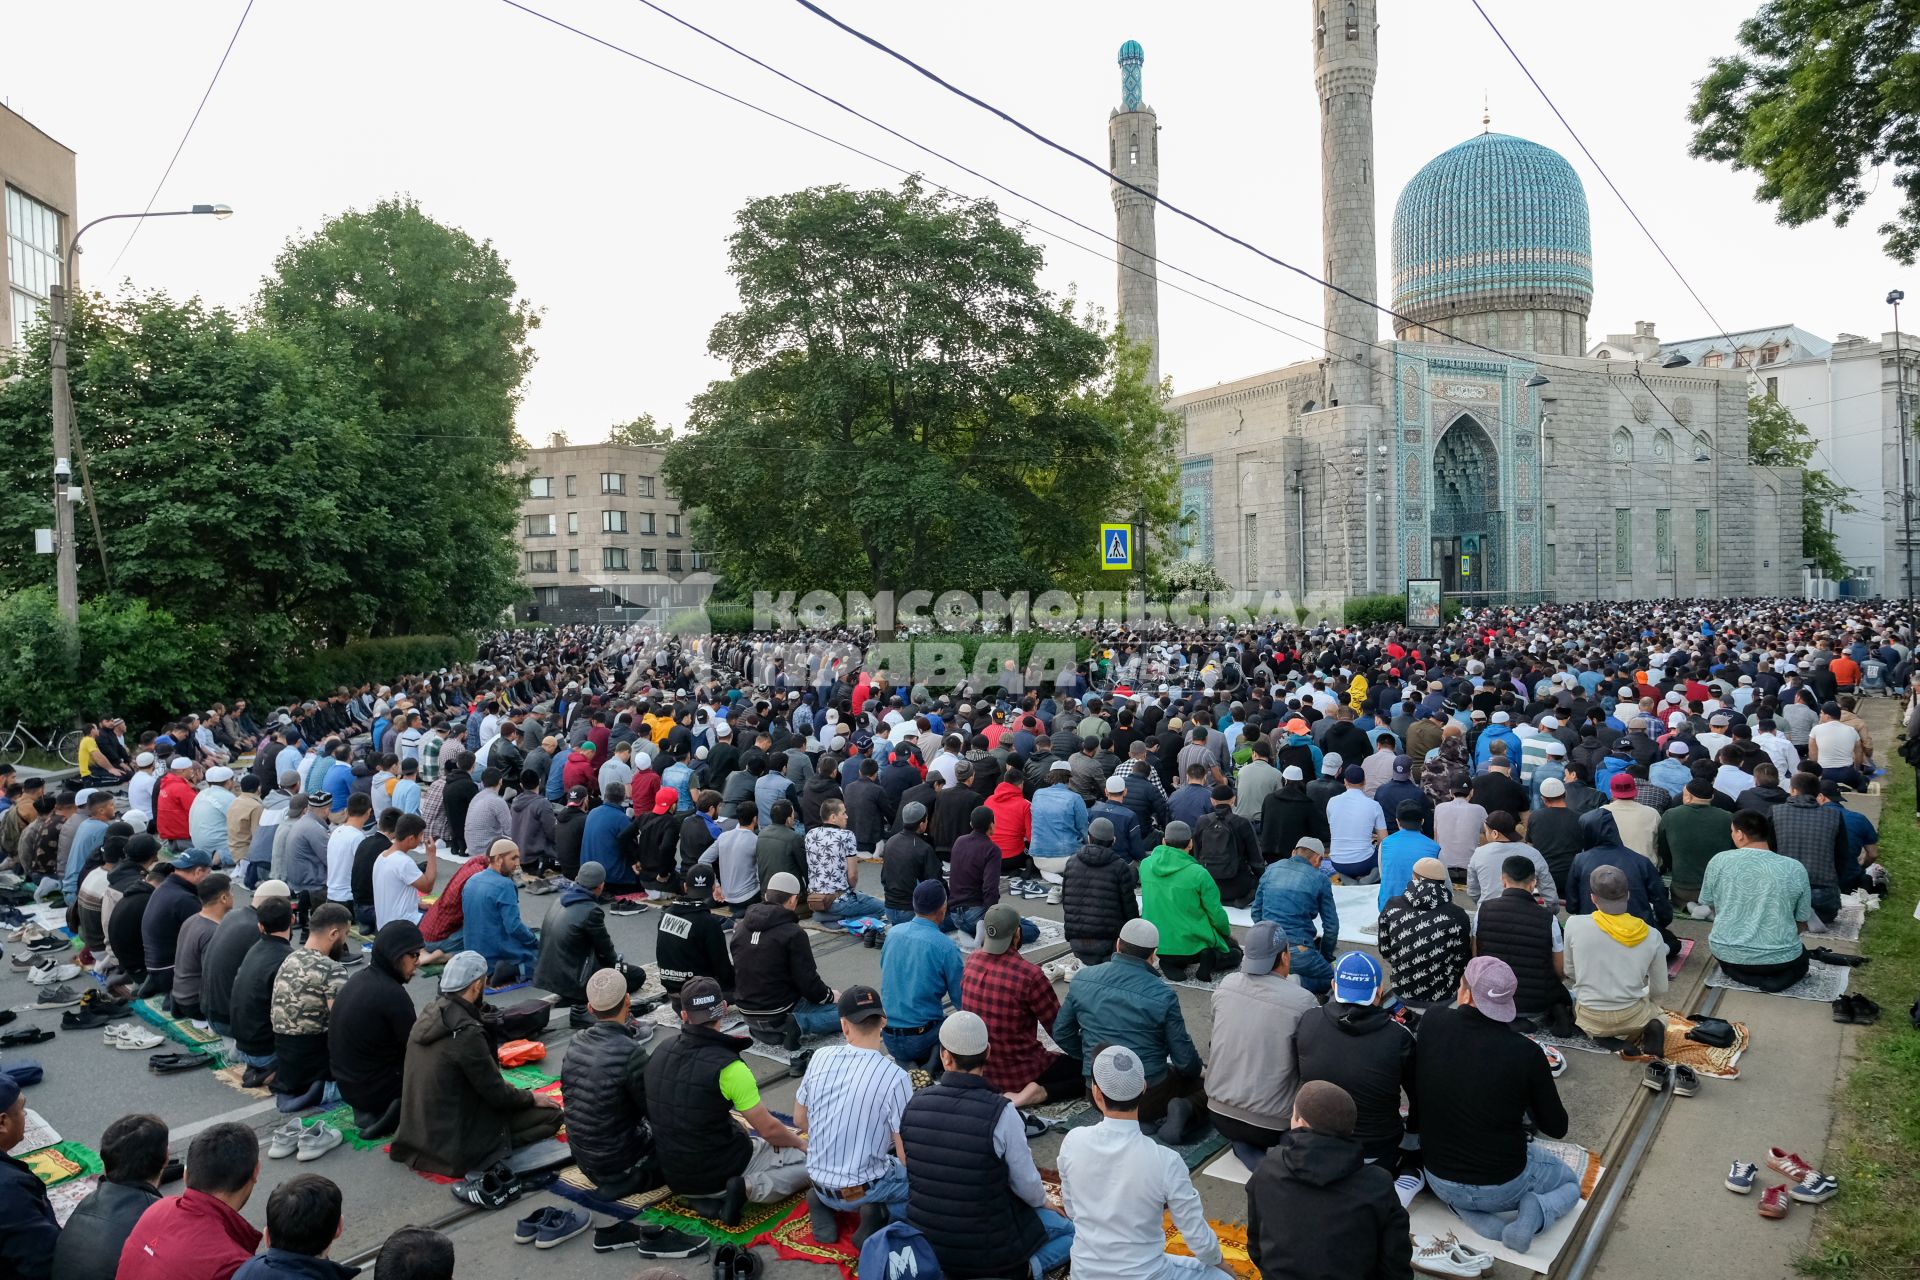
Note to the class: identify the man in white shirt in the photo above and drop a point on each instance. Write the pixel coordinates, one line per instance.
(398, 880)
(1356, 825)
(342, 841)
(1835, 747)
(849, 1106)
(140, 786)
(1779, 749)
(1117, 1184)
(618, 768)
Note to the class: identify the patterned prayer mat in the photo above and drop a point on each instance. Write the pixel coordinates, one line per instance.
(341, 1118)
(1705, 1059)
(63, 1160)
(677, 1213)
(577, 1187)
(792, 1238)
(1233, 1245)
(180, 1031)
(1824, 983)
(1679, 962)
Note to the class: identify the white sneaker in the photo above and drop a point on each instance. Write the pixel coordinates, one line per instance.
(1053, 896)
(48, 972)
(285, 1140)
(316, 1140)
(1445, 1256)
(131, 1036)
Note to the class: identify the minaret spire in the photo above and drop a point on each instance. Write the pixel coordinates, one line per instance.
(1133, 157)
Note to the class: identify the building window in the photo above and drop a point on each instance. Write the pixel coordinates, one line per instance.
(701, 561)
(673, 524)
(33, 258)
(573, 486)
(613, 522)
(1353, 20)
(1663, 539)
(613, 482)
(673, 560)
(1622, 445)
(539, 486)
(649, 560)
(1623, 541)
(1133, 150)
(1773, 388)
(1249, 553)
(646, 523)
(1553, 560)
(643, 486)
(548, 596)
(543, 562)
(540, 526)
(1703, 540)
(1553, 518)
(613, 559)
(573, 524)
(573, 559)
(1712, 360)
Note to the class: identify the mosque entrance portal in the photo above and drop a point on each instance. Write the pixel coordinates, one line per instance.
(1468, 526)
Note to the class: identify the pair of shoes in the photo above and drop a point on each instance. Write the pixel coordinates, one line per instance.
(1681, 1077)
(1774, 1202)
(51, 970)
(1740, 1176)
(872, 939)
(797, 1065)
(546, 1228)
(61, 997)
(25, 1037)
(1053, 895)
(1826, 955)
(494, 1189)
(1556, 1060)
(1034, 1125)
(1858, 1009)
(101, 1002)
(1446, 1256)
(1700, 911)
(1810, 1186)
(48, 944)
(649, 1240)
(285, 1140)
(82, 1018)
(316, 1140)
(736, 1262)
(169, 1064)
(625, 907)
(128, 1035)
(1037, 890)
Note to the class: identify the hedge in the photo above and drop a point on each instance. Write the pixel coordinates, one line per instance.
(1375, 611)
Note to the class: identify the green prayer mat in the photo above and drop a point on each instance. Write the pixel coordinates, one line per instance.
(63, 1161)
(526, 1077)
(180, 1031)
(756, 1218)
(341, 1118)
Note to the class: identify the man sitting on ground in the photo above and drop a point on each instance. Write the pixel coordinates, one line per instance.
(575, 944)
(849, 1106)
(1318, 1208)
(368, 1029)
(1482, 1085)
(1182, 900)
(457, 1114)
(494, 927)
(1118, 1185)
(833, 869)
(1292, 894)
(196, 935)
(1352, 1041)
(134, 1151)
(920, 973)
(972, 1187)
(1513, 926)
(176, 901)
(238, 932)
(1015, 999)
(1127, 1003)
(696, 1083)
(604, 1078)
(1761, 902)
(253, 1037)
(304, 989)
(778, 984)
(1097, 894)
(1617, 969)
(691, 942)
(199, 1234)
(29, 1232)
(1425, 937)
(1250, 1064)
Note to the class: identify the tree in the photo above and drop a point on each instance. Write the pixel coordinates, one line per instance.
(422, 323)
(908, 409)
(1825, 90)
(226, 466)
(1775, 438)
(643, 430)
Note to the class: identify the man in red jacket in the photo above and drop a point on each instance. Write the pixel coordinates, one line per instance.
(171, 803)
(582, 770)
(199, 1234)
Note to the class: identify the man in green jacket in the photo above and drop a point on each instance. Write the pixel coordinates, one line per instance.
(1183, 901)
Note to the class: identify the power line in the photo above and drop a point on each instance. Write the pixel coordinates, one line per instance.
(1162, 202)
(141, 220)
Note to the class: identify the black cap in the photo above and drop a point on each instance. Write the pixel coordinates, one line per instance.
(1222, 793)
(700, 998)
(700, 881)
(860, 1004)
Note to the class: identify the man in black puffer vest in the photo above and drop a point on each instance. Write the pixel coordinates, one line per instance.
(1515, 927)
(694, 1085)
(604, 1076)
(972, 1188)
(1096, 895)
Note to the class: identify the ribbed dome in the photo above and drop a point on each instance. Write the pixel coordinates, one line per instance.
(1495, 224)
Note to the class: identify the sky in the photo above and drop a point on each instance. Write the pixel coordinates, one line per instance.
(610, 187)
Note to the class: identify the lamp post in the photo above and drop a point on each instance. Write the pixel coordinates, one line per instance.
(1894, 298)
(66, 566)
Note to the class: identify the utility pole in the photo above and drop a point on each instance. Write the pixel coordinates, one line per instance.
(1894, 298)
(66, 567)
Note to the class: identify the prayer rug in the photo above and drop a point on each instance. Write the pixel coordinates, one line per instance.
(576, 1186)
(1846, 925)
(1705, 1059)
(1233, 1246)
(181, 1031)
(792, 1238)
(1679, 962)
(1578, 1042)
(1824, 983)
(231, 1076)
(1429, 1215)
(780, 1053)
(341, 1118)
(1053, 933)
(66, 1197)
(527, 1077)
(755, 1219)
(1060, 1112)
(1202, 1147)
(63, 1160)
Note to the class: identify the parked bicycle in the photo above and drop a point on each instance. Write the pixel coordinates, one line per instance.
(19, 738)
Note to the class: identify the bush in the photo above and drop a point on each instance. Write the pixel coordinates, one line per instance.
(130, 660)
(379, 659)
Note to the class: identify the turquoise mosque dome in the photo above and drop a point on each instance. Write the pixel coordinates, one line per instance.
(1497, 227)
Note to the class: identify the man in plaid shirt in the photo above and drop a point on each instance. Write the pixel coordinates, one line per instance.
(1014, 998)
(430, 752)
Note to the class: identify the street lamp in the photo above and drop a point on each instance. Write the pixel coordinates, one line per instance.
(66, 568)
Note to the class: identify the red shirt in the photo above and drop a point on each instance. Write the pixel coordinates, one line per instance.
(1013, 998)
(1012, 819)
(446, 917)
(191, 1236)
(581, 771)
(170, 807)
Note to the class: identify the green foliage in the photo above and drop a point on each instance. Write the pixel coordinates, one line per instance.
(130, 659)
(1823, 92)
(1378, 611)
(422, 324)
(643, 430)
(1775, 438)
(378, 659)
(908, 409)
(1190, 575)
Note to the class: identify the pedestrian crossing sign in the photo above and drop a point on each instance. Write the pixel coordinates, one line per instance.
(1116, 546)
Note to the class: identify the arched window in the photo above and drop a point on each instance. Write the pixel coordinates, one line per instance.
(1663, 446)
(1622, 445)
(1702, 449)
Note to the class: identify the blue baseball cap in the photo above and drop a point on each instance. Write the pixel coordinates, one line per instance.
(187, 859)
(1356, 978)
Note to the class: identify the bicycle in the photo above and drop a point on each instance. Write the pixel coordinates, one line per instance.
(66, 746)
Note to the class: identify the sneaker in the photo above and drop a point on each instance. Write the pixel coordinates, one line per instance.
(48, 943)
(57, 998)
(127, 1035)
(48, 972)
(83, 1019)
(649, 1240)
(527, 1230)
(1700, 911)
(1810, 1185)
(1556, 1060)
(316, 1140)
(1774, 1202)
(1656, 1077)
(1038, 890)
(285, 1140)
(625, 907)
(1685, 1082)
(1740, 1176)
(1053, 895)
(1445, 1256)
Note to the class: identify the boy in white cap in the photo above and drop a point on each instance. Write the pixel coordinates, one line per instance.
(1117, 1184)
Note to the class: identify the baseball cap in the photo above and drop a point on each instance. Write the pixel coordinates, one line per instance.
(1264, 945)
(187, 859)
(1119, 1073)
(1608, 888)
(700, 999)
(1492, 983)
(1552, 788)
(1356, 977)
(999, 928)
(578, 795)
(700, 881)
(860, 1004)
(1330, 764)
(1402, 766)
(605, 989)
(1312, 844)
(1623, 786)
(784, 882)
(964, 1035)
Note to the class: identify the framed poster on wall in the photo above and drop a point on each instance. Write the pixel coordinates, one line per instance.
(1423, 603)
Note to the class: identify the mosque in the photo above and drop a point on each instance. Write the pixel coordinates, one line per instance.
(1485, 444)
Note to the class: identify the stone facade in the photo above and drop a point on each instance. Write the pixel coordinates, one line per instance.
(1133, 154)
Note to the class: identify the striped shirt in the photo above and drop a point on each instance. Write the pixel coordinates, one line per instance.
(853, 1098)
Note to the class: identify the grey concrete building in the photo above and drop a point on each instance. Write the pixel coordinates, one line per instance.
(1480, 445)
(600, 532)
(38, 199)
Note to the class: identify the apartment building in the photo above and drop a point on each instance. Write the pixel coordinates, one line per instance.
(38, 196)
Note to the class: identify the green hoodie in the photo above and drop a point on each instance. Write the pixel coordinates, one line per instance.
(1181, 899)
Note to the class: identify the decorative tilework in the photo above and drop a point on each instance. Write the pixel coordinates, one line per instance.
(1131, 56)
(1623, 542)
(1196, 510)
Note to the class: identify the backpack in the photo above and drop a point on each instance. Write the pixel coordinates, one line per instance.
(1213, 844)
(898, 1251)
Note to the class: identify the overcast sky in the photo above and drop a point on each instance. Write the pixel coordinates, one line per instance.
(610, 187)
